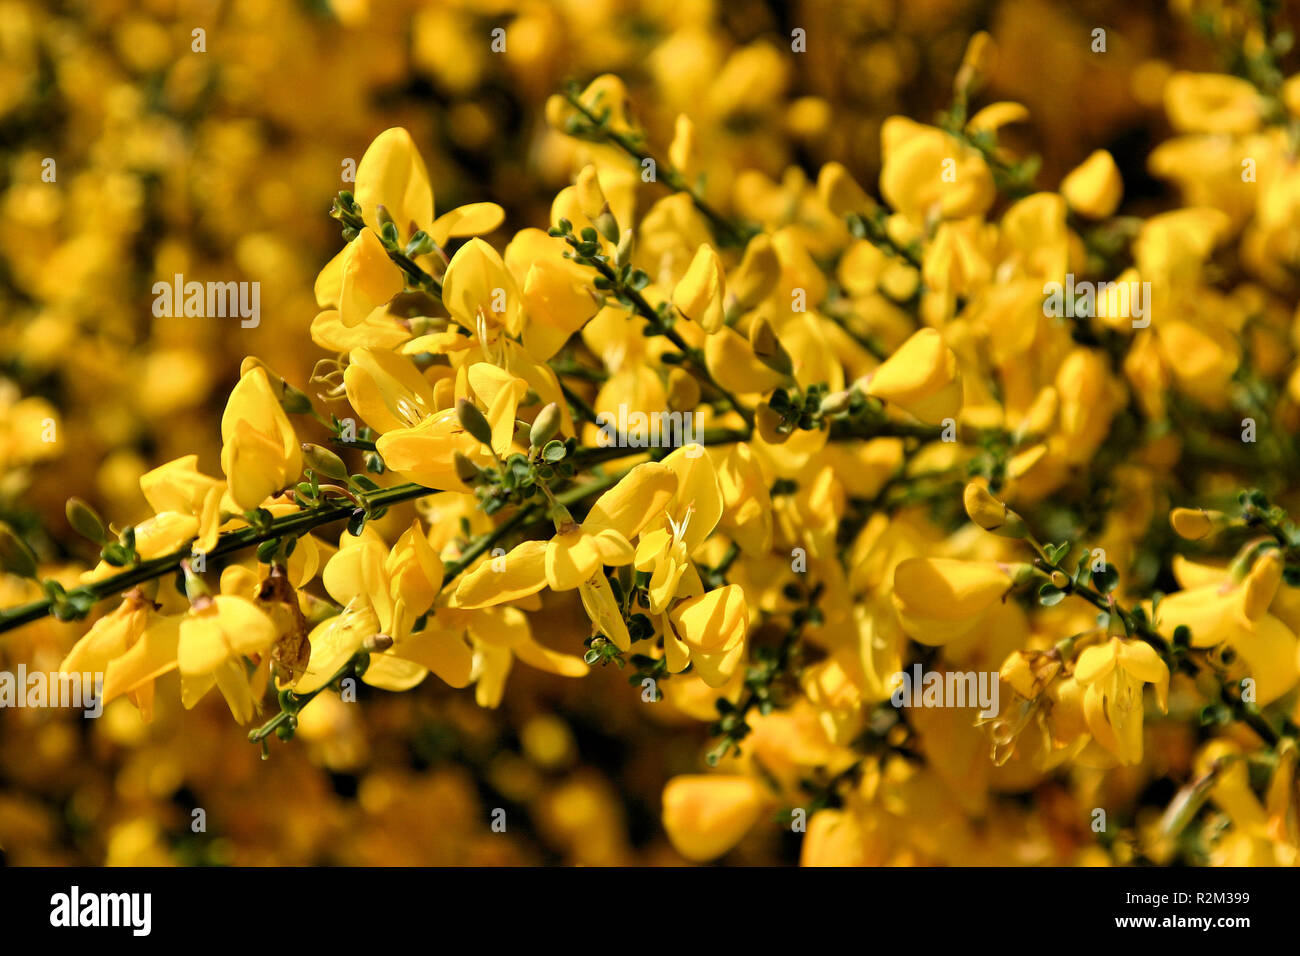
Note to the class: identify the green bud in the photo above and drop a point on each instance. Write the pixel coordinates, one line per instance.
(383, 215)
(15, 556)
(85, 521)
(607, 225)
(472, 420)
(324, 462)
(294, 400)
(545, 425)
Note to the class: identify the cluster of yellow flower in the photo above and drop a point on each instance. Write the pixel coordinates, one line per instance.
(774, 445)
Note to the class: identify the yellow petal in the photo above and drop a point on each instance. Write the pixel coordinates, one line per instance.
(1095, 663)
(392, 173)
(553, 662)
(392, 673)
(370, 279)
(598, 600)
(1094, 188)
(698, 502)
(333, 642)
(150, 657)
(571, 558)
(715, 621)
(441, 650)
(700, 293)
(387, 390)
(506, 578)
(630, 505)
(202, 646)
(473, 219)
(921, 377)
(939, 599)
(477, 283)
(705, 815)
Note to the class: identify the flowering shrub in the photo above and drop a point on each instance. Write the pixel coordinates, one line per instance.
(917, 504)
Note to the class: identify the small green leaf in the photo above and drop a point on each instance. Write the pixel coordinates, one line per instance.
(1106, 579)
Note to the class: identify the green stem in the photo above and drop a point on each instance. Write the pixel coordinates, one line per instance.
(727, 232)
(297, 523)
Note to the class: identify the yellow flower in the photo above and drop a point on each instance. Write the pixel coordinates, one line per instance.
(1211, 103)
(121, 646)
(941, 599)
(701, 293)
(990, 513)
(1196, 523)
(709, 632)
(260, 453)
(387, 390)
(209, 645)
(1094, 188)
(368, 280)
(558, 298)
(1112, 676)
(480, 293)
(756, 275)
(747, 503)
(420, 441)
(705, 815)
(384, 592)
(187, 504)
(500, 635)
(574, 557)
(669, 539)
(925, 171)
(921, 378)
(1220, 611)
(392, 174)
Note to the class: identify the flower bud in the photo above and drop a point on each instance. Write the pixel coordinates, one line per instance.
(623, 253)
(1093, 189)
(472, 420)
(15, 557)
(85, 521)
(324, 462)
(976, 64)
(1196, 523)
(991, 514)
(196, 589)
(545, 426)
